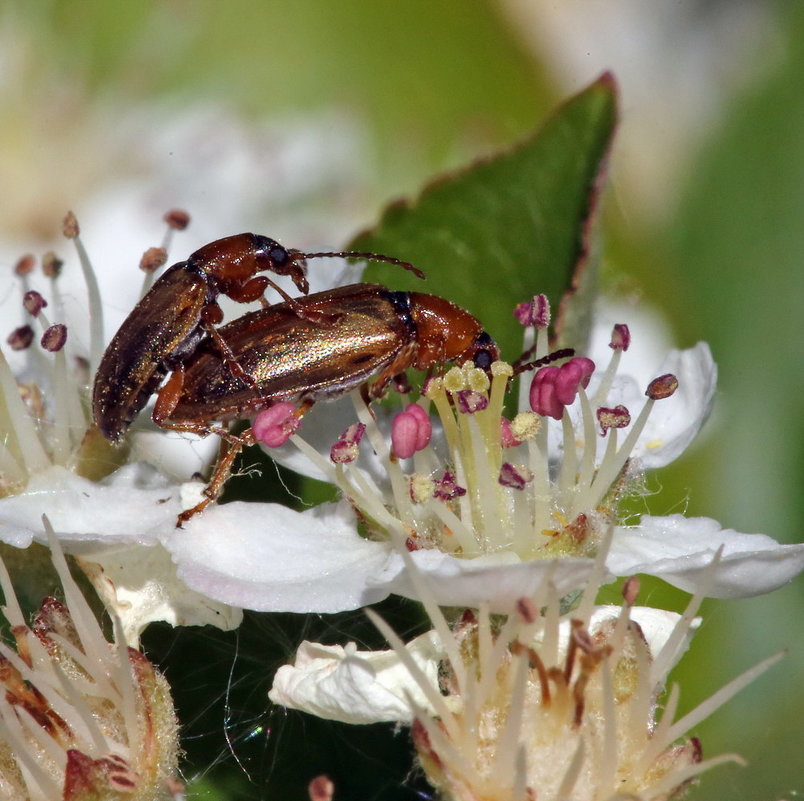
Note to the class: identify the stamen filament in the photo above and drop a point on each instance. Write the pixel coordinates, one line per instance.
(487, 527)
(433, 696)
(10, 469)
(30, 449)
(61, 414)
(323, 464)
(587, 469)
(399, 485)
(425, 594)
(724, 694)
(596, 577)
(96, 338)
(678, 777)
(439, 398)
(568, 472)
(608, 471)
(609, 758)
(68, 424)
(608, 379)
(573, 772)
(464, 536)
(12, 731)
(528, 338)
(539, 465)
(509, 738)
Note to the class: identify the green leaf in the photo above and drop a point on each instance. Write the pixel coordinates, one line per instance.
(508, 227)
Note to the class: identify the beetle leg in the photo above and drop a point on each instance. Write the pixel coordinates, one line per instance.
(230, 448)
(253, 289)
(167, 397)
(229, 359)
(389, 373)
(313, 316)
(231, 445)
(166, 400)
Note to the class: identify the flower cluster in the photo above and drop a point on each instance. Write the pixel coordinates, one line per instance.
(485, 503)
(81, 718)
(500, 501)
(541, 704)
(533, 692)
(107, 504)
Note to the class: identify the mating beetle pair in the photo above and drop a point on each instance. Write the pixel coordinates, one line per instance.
(304, 349)
(181, 309)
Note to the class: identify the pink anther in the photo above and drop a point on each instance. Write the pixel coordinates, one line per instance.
(411, 430)
(33, 302)
(446, 488)
(535, 312)
(345, 450)
(620, 337)
(468, 401)
(554, 388)
(617, 417)
(515, 476)
(275, 425)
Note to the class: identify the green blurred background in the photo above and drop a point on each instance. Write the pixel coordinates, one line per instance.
(704, 219)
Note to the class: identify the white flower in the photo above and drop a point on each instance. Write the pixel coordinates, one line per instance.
(545, 704)
(49, 461)
(104, 510)
(81, 717)
(486, 518)
(342, 683)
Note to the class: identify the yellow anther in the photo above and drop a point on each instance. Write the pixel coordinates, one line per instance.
(421, 488)
(433, 388)
(454, 380)
(477, 380)
(525, 425)
(502, 368)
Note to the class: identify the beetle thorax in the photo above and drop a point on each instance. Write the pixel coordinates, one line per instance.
(444, 331)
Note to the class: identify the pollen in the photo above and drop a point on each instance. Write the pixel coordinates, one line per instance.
(525, 426)
(421, 488)
(454, 380)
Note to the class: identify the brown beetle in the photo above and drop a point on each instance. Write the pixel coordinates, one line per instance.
(181, 309)
(287, 357)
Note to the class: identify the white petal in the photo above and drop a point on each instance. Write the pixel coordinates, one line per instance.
(679, 549)
(498, 579)
(674, 422)
(130, 506)
(353, 686)
(269, 558)
(651, 336)
(140, 585)
(178, 456)
(657, 626)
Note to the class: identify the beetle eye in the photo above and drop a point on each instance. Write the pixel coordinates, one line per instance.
(279, 256)
(483, 359)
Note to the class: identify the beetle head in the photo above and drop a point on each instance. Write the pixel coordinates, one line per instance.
(283, 261)
(482, 352)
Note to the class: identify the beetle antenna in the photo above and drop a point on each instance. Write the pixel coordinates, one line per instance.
(520, 367)
(352, 254)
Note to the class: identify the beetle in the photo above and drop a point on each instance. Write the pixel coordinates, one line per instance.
(286, 356)
(181, 310)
